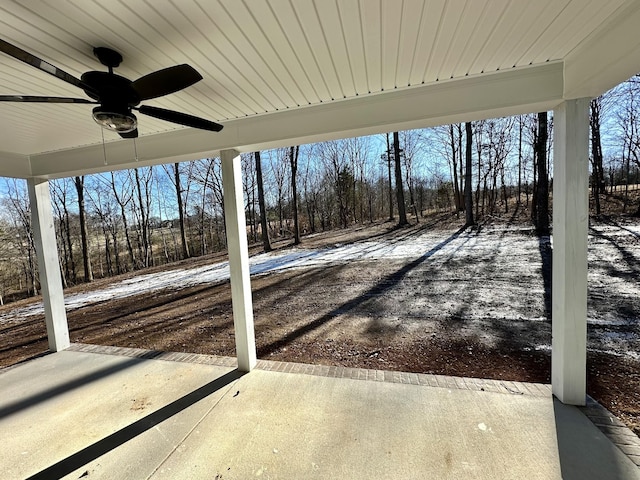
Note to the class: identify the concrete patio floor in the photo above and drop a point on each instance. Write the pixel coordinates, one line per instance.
(80, 414)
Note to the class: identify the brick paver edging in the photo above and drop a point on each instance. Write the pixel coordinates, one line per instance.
(458, 383)
(616, 431)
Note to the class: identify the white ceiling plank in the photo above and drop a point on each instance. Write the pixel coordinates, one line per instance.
(517, 22)
(372, 39)
(413, 12)
(450, 23)
(315, 35)
(470, 17)
(226, 88)
(586, 21)
(351, 21)
(391, 17)
(287, 17)
(333, 30)
(485, 14)
(531, 29)
(557, 32)
(245, 32)
(425, 42)
(218, 47)
(267, 16)
(503, 20)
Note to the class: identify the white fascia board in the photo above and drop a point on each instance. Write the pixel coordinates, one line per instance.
(510, 92)
(607, 58)
(14, 165)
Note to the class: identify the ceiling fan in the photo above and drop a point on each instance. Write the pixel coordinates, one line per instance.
(117, 96)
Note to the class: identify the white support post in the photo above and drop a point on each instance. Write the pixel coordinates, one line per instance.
(570, 235)
(48, 265)
(235, 225)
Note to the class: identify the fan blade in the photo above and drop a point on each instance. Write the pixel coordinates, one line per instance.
(180, 118)
(40, 64)
(33, 98)
(131, 134)
(166, 81)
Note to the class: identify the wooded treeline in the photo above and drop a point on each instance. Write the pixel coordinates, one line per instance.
(122, 221)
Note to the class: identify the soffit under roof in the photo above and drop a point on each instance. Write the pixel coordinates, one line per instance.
(278, 72)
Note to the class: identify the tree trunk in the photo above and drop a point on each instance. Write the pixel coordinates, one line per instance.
(144, 222)
(468, 195)
(122, 202)
(88, 273)
(542, 194)
(520, 122)
(293, 158)
(183, 234)
(597, 175)
(478, 184)
(390, 187)
(461, 166)
(454, 169)
(72, 262)
(402, 213)
(263, 209)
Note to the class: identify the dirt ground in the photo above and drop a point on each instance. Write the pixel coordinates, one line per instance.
(442, 314)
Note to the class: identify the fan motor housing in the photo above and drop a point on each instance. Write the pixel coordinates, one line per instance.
(110, 88)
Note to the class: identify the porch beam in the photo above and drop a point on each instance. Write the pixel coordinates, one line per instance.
(570, 233)
(48, 264)
(507, 92)
(235, 225)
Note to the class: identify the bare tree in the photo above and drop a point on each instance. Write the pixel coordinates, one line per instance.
(249, 187)
(541, 219)
(17, 203)
(123, 193)
(183, 231)
(402, 212)
(143, 181)
(278, 160)
(59, 195)
(454, 166)
(411, 146)
(388, 155)
(468, 191)
(106, 211)
(293, 159)
(597, 174)
(628, 123)
(86, 256)
(338, 183)
(311, 184)
(264, 226)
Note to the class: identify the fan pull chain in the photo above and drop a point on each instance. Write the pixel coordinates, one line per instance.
(135, 148)
(104, 149)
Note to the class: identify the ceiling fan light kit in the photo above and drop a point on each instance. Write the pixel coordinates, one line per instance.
(117, 122)
(115, 95)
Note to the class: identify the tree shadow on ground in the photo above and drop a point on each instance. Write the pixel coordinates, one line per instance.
(384, 285)
(546, 256)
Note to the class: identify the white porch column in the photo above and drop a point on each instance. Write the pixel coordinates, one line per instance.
(48, 265)
(570, 232)
(236, 228)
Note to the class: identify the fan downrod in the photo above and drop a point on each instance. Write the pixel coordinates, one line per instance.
(107, 57)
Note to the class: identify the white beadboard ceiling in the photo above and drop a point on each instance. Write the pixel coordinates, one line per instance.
(279, 72)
